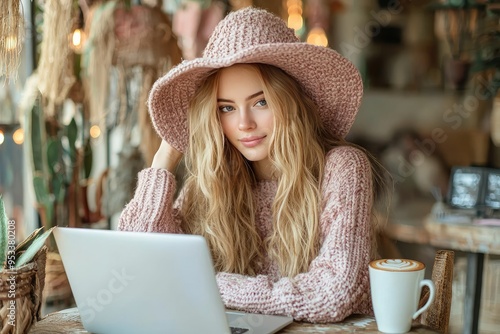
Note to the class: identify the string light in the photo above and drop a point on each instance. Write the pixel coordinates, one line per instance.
(295, 8)
(317, 36)
(76, 40)
(18, 136)
(295, 19)
(95, 131)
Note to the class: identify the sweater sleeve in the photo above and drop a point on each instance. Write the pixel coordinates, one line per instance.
(152, 209)
(337, 283)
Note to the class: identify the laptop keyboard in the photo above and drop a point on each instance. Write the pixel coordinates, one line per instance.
(237, 330)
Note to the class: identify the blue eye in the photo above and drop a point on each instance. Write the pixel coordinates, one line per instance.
(261, 103)
(225, 109)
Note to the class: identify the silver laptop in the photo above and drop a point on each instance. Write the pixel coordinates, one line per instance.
(126, 282)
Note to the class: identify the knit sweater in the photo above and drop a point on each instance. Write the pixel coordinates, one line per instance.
(336, 284)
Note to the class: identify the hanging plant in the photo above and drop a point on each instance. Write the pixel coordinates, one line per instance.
(487, 50)
(457, 23)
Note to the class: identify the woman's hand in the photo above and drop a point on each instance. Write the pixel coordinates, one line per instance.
(166, 157)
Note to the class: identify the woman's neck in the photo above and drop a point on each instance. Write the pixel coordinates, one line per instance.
(263, 169)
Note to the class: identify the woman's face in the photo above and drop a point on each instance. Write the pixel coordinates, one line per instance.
(247, 120)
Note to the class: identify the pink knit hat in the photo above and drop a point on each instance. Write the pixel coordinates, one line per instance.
(253, 35)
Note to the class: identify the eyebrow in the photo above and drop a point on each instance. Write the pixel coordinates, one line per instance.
(248, 98)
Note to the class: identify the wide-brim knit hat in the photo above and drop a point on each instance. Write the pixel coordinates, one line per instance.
(252, 35)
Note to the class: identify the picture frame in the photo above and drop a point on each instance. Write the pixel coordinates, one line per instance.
(474, 188)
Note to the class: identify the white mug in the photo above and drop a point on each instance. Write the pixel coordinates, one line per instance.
(396, 286)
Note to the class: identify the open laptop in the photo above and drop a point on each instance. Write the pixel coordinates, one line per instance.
(126, 282)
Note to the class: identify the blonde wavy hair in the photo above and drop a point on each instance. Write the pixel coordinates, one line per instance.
(219, 203)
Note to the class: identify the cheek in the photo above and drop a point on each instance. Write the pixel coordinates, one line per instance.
(227, 126)
(268, 121)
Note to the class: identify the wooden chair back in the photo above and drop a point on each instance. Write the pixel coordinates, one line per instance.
(437, 315)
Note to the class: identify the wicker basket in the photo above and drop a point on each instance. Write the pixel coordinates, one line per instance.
(19, 312)
(57, 290)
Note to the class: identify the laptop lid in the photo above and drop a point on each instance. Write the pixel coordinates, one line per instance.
(126, 282)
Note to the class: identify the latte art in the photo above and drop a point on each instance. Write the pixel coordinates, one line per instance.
(397, 265)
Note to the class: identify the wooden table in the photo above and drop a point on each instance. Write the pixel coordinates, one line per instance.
(68, 321)
(473, 239)
(476, 241)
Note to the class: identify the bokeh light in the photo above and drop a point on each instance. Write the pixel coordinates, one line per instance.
(95, 131)
(18, 136)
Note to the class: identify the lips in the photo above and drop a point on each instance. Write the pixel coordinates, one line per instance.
(252, 141)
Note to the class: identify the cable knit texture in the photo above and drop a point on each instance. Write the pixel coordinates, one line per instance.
(336, 284)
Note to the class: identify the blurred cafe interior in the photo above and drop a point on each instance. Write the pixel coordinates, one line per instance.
(75, 129)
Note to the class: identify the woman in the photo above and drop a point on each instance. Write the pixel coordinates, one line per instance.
(282, 199)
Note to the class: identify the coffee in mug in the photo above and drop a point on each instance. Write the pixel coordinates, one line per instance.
(396, 286)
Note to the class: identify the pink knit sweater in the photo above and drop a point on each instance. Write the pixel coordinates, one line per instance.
(336, 284)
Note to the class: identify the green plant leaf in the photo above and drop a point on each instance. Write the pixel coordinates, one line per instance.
(72, 133)
(58, 188)
(69, 152)
(87, 159)
(35, 246)
(23, 245)
(53, 155)
(36, 138)
(68, 163)
(4, 221)
(44, 197)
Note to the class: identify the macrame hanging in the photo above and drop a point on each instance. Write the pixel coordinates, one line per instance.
(55, 69)
(144, 38)
(11, 37)
(122, 38)
(97, 58)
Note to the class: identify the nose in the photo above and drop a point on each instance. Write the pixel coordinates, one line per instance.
(246, 121)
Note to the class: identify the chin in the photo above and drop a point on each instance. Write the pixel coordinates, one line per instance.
(255, 157)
